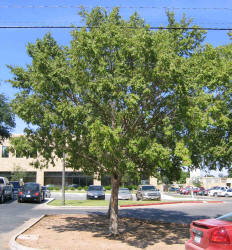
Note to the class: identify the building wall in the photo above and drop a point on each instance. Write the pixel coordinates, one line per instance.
(9, 164)
(208, 182)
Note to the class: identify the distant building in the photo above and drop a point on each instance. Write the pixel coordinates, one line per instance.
(52, 175)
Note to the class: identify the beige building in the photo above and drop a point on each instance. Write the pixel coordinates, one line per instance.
(9, 163)
(208, 182)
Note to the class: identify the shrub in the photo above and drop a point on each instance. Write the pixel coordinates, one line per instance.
(72, 188)
(86, 187)
(50, 188)
(79, 188)
(56, 188)
(107, 187)
(65, 188)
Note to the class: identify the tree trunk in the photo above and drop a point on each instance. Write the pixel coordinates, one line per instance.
(113, 208)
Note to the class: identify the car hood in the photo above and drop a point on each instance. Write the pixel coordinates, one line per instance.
(124, 194)
(95, 192)
(151, 192)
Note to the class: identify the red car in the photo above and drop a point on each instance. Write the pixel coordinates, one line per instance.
(211, 234)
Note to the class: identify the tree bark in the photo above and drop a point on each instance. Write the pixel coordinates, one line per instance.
(113, 208)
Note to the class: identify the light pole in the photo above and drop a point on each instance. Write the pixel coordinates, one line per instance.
(63, 180)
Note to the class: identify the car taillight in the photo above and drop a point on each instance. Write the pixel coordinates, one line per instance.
(20, 193)
(220, 235)
(37, 194)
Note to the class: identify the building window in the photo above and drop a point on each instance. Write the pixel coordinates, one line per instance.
(5, 152)
(79, 178)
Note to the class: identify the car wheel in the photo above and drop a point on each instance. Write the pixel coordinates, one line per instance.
(19, 201)
(2, 198)
(215, 194)
(226, 195)
(39, 200)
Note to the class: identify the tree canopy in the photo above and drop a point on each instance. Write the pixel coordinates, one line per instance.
(7, 122)
(125, 99)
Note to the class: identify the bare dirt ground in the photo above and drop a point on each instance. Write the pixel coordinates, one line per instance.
(86, 232)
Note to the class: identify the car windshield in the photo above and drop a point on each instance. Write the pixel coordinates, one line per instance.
(145, 188)
(124, 190)
(95, 188)
(226, 217)
(15, 184)
(31, 186)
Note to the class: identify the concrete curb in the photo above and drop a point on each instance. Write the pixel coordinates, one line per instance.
(168, 203)
(16, 246)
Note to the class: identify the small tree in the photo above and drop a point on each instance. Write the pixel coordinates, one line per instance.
(196, 182)
(18, 173)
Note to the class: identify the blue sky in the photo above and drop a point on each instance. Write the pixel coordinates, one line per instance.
(207, 13)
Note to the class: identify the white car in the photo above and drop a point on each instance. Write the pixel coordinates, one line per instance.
(217, 191)
(226, 193)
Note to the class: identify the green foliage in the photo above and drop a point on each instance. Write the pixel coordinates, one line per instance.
(85, 188)
(121, 100)
(79, 188)
(56, 188)
(72, 188)
(132, 187)
(196, 182)
(183, 176)
(7, 122)
(107, 187)
(18, 173)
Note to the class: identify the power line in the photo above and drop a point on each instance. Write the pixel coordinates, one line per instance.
(111, 7)
(151, 28)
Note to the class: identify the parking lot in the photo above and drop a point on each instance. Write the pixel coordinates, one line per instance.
(13, 214)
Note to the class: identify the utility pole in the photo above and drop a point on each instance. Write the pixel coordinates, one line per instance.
(63, 174)
(63, 180)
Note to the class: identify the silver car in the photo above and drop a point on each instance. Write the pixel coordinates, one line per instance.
(124, 194)
(46, 192)
(148, 192)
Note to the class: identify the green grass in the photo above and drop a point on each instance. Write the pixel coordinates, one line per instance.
(96, 202)
(82, 191)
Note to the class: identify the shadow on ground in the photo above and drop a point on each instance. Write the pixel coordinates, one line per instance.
(135, 232)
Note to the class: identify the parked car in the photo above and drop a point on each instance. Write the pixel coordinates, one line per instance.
(95, 192)
(148, 192)
(173, 189)
(124, 194)
(206, 192)
(217, 191)
(46, 192)
(200, 191)
(6, 190)
(226, 193)
(31, 191)
(211, 234)
(186, 190)
(16, 187)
